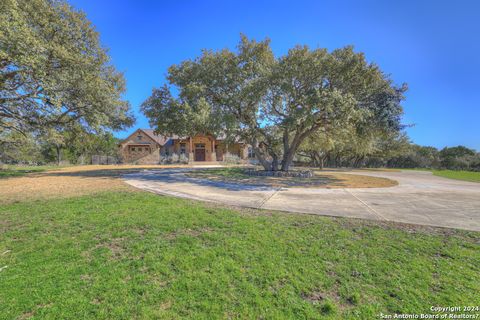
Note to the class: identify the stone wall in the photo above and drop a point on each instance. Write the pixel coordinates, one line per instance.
(151, 156)
(294, 173)
(139, 148)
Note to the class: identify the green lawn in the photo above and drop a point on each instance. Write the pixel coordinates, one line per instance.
(134, 255)
(459, 175)
(7, 171)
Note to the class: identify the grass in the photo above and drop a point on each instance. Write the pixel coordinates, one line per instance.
(78, 243)
(124, 255)
(8, 171)
(471, 176)
(321, 179)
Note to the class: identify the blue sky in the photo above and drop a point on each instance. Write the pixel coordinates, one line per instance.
(434, 46)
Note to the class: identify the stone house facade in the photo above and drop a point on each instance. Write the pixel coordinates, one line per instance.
(145, 147)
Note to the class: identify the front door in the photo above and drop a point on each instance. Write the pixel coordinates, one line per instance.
(200, 152)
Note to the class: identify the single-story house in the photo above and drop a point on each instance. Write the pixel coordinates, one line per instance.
(145, 147)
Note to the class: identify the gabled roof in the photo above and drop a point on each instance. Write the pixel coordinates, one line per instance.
(161, 140)
(167, 140)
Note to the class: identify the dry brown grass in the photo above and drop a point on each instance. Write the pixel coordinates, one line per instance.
(67, 182)
(329, 179)
(342, 180)
(379, 169)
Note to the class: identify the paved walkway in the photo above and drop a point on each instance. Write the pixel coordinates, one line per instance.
(420, 197)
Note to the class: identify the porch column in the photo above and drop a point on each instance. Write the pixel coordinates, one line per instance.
(213, 156)
(190, 150)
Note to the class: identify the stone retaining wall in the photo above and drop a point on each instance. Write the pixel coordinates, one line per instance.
(295, 174)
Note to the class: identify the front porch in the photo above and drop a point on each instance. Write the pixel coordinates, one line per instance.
(206, 148)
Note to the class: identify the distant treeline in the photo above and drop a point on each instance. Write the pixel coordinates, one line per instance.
(409, 156)
(73, 146)
(76, 146)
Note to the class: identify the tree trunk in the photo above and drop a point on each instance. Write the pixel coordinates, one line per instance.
(259, 154)
(57, 147)
(360, 161)
(313, 159)
(318, 159)
(289, 154)
(289, 151)
(274, 166)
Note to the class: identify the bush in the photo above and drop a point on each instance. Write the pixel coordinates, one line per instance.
(174, 158)
(183, 158)
(232, 158)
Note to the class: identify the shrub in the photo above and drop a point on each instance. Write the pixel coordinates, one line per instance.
(173, 158)
(183, 158)
(232, 158)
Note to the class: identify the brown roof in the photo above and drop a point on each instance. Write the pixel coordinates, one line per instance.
(161, 140)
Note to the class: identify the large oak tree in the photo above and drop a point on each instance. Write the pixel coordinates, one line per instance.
(54, 71)
(274, 104)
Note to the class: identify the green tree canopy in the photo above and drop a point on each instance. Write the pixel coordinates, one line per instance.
(274, 104)
(54, 71)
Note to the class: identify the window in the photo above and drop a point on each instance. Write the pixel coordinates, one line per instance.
(133, 148)
(139, 137)
(139, 149)
(183, 148)
(251, 153)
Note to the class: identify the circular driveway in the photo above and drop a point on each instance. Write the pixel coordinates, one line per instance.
(419, 198)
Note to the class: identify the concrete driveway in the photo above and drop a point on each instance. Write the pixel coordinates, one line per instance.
(420, 197)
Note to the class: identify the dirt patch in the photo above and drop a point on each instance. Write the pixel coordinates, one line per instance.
(166, 305)
(31, 314)
(186, 232)
(116, 247)
(26, 315)
(67, 182)
(317, 297)
(314, 297)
